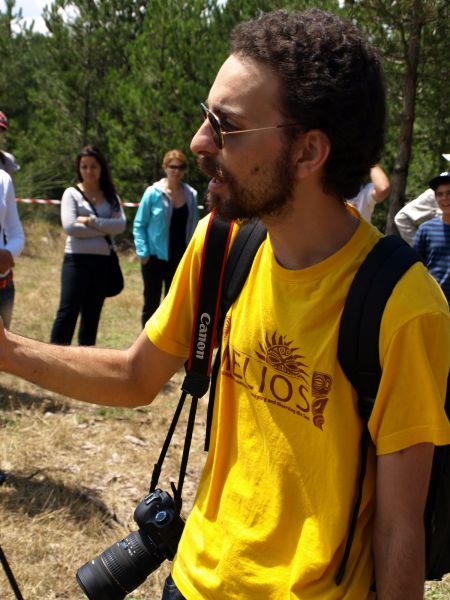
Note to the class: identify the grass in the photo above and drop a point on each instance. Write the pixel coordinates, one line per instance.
(76, 471)
(438, 590)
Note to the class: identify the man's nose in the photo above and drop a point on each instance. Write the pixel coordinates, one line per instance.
(202, 142)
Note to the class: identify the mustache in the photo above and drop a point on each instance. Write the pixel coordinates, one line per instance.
(209, 167)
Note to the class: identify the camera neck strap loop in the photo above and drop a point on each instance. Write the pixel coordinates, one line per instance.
(184, 460)
(158, 466)
(198, 366)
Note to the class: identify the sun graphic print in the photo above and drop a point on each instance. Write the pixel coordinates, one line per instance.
(279, 354)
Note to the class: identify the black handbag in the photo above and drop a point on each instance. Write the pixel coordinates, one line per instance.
(113, 276)
(114, 282)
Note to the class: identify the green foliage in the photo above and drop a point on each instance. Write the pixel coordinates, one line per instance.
(173, 62)
(390, 25)
(128, 75)
(156, 100)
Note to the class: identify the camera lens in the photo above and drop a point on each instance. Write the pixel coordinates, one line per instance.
(126, 564)
(120, 569)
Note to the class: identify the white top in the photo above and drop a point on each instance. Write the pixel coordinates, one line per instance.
(12, 237)
(89, 239)
(364, 202)
(416, 212)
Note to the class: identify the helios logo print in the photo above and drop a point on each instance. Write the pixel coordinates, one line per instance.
(278, 374)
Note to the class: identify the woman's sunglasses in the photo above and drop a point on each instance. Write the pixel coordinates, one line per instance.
(218, 134)
(177, 167)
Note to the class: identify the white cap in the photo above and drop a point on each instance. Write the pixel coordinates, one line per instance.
(446, 156)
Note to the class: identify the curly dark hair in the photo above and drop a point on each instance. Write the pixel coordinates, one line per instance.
(106, 183)
(330, 79)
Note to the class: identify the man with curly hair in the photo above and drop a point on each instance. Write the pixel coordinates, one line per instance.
(292, 125)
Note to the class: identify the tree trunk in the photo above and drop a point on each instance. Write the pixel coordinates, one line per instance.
(86, 117)
(401, 164)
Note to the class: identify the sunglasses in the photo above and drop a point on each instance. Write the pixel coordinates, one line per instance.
(177, 167)
(218, 133)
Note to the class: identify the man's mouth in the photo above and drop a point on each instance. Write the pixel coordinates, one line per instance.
(209, 168)
(215, 184)
(219, 176)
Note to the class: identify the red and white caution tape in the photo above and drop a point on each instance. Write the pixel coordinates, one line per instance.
(46, 201)
(37, 201)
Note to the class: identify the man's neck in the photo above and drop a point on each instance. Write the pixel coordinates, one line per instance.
(313, 229)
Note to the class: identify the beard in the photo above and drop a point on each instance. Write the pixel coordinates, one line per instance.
(268, 192)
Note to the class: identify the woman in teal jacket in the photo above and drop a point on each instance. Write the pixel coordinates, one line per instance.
(164, 224)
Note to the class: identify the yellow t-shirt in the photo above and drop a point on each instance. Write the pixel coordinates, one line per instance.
(271, 515)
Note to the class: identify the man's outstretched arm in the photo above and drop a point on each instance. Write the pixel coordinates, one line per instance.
(128, 378)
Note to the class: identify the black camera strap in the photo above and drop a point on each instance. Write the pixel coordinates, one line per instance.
(198, 366)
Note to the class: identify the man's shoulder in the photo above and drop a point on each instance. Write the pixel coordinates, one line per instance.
(426, 198)
(433, 225)
(417, 294)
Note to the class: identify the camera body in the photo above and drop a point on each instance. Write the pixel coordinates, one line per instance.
(125, 565)
(158, 517)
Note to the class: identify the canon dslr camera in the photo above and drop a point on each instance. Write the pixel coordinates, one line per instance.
(125, 565)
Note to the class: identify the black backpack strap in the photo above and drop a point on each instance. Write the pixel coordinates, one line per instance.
(360, 323)
(358, 344)
(248, 239)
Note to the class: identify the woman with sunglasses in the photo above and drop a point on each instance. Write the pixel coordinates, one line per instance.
(164, 224)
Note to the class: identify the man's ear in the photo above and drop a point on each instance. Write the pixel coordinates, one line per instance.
(311, 152)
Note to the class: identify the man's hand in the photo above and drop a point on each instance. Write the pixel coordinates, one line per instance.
(6, 260)
(144, 260)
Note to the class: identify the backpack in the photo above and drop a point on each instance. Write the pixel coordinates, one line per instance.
(358, 356)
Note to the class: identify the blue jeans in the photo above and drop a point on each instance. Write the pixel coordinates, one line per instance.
(7, 303)
(170, 591)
